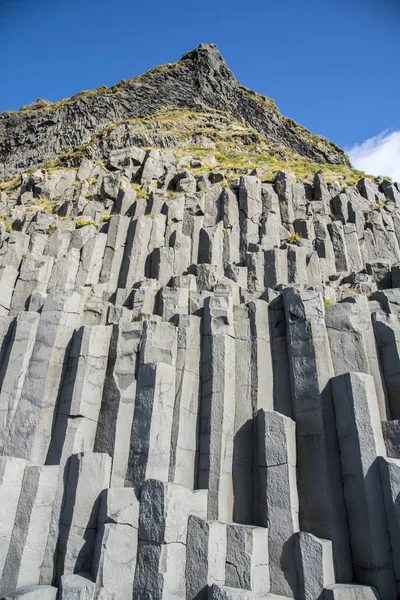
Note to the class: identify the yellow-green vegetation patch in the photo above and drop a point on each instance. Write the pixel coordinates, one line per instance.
(231, 147)
(7, 224)
(45, 204)
(11, 185)
(140, 192)
(63, 158)
(171, 195)
(293, 238)
(83, 223)
(218, 141)
(105, 218)
(276, 157)
(328, 302)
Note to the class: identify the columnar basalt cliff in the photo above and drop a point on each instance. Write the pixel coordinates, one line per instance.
(200, 357)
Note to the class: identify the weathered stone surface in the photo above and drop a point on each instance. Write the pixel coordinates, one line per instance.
(314, 565)
(184, 447)
(91, 261)
(390, 476)
(387, 334)
(115, 551)
(33, 592)
(250, 209)
(84, 380)
(297, 265)
(353, 344)
(31, 527)
(8, 276)
(243, 426)
(341, 591)
(278, 506)
(339, 246)
(73, 435)
(217, 592)
(135, 252)
(276, 268)
(77, 587)
(163, 522)
(206, 557)
(391, 436)
(284, 187)
(154, 405)
(323, 510)
(323, 245)
(13, 249)
(217, 407)
(261, 357)
(34, 275)
(281, 390)
(116, 416)
(11, 478)
(29, 434)
(88, 475)
(361, 442)
(63, 277)
(114, 251)
(247, 562)
(15, 367)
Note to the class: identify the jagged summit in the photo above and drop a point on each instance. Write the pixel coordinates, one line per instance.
(208, 59)
(200, 81)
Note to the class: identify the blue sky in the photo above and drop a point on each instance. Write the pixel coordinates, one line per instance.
(332, 65)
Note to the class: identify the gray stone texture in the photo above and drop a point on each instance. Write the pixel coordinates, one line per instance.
(87, 476)
(114, 559)
(341, 591)
(322, 507)
(278, 504)
(361, 442)
(314, 565)
(199, 365)
(206, 557)
(29, 434)
(31, 528)
(247, 562)
(217, 407)
(150, 446)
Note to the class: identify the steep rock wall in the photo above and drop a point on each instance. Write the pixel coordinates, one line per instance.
(198, 385)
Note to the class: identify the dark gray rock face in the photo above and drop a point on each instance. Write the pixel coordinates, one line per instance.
(199, 378)
(200, 79)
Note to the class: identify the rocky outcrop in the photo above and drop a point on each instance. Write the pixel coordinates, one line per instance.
(198, 385)
(199, 366)
(34, 135)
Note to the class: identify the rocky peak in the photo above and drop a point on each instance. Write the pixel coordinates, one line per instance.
(201, 80)
(207, 60)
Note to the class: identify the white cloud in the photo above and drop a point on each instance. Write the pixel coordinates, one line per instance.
(380, 155)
